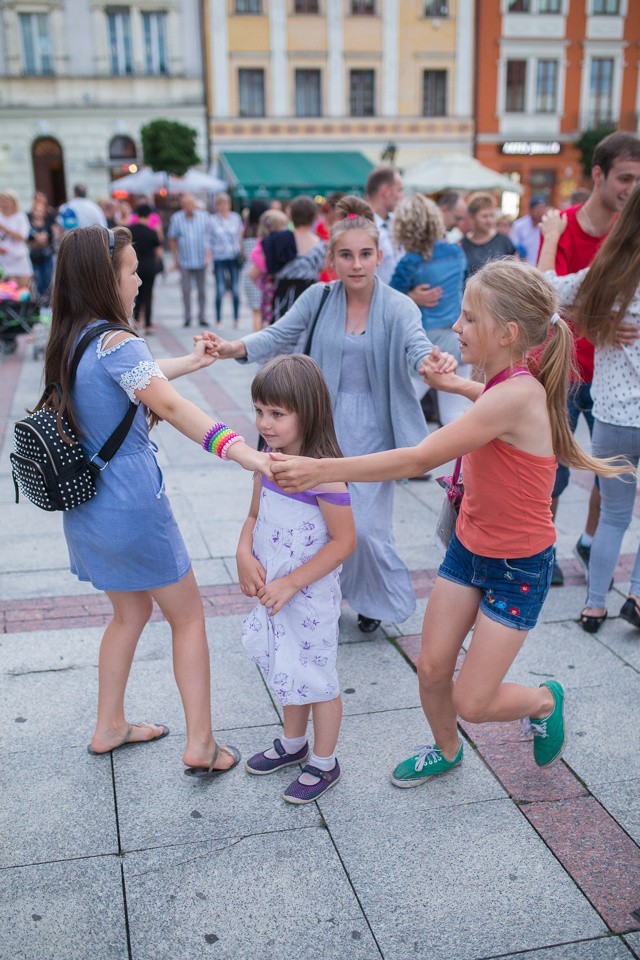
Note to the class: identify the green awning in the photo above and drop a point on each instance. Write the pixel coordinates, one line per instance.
(288, 174)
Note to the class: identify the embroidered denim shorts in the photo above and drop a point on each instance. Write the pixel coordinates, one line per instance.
(513, 590)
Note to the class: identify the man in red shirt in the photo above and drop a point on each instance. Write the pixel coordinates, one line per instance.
(615, 173)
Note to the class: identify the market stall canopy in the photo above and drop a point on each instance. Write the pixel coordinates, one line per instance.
(455, 171)
(288, 174)
(147, 180)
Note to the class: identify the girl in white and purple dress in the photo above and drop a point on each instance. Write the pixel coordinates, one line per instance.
(289, 557)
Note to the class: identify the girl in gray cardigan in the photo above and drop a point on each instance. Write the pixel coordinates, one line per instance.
(367, 340)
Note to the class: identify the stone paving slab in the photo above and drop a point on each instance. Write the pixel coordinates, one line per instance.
(373, 677)
(160, 806)
(72, 910)
(57, 804)
(620, 799)
(268, 897)
(633, 940)
(492, 861)
(612, 948)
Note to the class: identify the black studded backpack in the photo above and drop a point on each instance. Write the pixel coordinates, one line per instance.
(54, 473)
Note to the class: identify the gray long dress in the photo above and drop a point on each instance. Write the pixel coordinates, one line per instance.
(379, 410)
(374, 579)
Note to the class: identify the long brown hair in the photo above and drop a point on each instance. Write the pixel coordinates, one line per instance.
(515, 292)
(295, 383)
(85, 289)
(612, 279)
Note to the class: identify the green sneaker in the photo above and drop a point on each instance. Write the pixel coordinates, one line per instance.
(549, 735)
(427, 763)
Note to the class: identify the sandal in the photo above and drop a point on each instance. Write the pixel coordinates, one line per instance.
(630, 611)
(591, 624)
(128, 742)
(367, 624)
(208, 773)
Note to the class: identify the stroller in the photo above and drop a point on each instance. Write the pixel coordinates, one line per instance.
(20, 312)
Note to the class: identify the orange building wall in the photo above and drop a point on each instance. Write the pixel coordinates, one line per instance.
(488, 30)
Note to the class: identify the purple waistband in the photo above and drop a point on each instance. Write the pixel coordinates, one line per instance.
(310, 496)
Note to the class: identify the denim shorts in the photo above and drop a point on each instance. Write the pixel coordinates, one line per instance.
(513, 590)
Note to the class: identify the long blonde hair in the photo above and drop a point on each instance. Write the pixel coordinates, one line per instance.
(514, 292)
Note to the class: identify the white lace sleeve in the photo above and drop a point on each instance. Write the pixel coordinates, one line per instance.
(140, 377)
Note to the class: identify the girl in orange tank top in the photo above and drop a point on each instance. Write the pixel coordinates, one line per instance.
(497, 569)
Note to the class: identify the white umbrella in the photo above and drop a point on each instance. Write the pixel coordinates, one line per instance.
(147, 180)
(195, 181)
(455, 171)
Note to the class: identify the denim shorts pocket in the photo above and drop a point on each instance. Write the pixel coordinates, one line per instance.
(522, 569)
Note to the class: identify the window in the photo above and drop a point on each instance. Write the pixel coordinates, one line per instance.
(36, 44)
(308, 95)
(606, 7)
(547, 86)
(519, 6)
(154, 27)
(362, 93)
(516, 75)
(436, 8)
(251, 87)
(306, 6)
(434, 93)
(119, 23)
(248, 6)
(549, 6)
(601, 91)
(363, 8)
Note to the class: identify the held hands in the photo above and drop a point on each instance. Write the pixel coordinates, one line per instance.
(274, 595)
(250, 574)
(251, 459)
(438, 370)
(626, 334)
(200, 357)
(215, 346)
(295, 473)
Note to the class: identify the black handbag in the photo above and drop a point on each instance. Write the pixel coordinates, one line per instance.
(54, 473)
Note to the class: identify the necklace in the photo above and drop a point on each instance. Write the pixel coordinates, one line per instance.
(592, 229)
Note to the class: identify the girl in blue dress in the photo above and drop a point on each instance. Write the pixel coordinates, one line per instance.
(125, 540)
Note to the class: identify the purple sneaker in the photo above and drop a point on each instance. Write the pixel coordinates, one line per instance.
(260, 764)
(308, 792)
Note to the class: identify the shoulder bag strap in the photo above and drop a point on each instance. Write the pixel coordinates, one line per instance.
(325, 294)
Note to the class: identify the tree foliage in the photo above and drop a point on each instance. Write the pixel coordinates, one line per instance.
(587, 144)
(169, 145)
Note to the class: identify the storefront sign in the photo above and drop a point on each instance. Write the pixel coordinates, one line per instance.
(529, 148)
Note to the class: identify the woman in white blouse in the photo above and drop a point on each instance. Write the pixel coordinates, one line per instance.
(15, 259)
(600, 299)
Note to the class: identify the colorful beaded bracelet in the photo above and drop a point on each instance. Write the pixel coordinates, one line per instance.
(218, 439)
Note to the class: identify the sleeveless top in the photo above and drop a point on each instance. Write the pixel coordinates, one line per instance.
(506, 507)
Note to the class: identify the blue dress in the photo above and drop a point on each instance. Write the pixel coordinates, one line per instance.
(126, 537)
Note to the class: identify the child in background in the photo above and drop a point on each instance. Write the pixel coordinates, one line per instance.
(289, 556)
(497, 570)
(257, 272)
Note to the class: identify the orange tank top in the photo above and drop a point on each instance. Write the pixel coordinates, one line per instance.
(506, 507)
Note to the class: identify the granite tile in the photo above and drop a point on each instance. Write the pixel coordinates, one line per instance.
(597, 853)
(610, 948)
(622, 800)
(513, 764)
(269, 897)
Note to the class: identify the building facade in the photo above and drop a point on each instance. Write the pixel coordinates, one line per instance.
(547, 70)
(78, 78)
(390, 78)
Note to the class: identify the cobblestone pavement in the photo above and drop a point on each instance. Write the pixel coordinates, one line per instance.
(123, 857)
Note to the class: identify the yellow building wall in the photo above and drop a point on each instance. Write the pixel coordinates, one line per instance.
(306, 33)
(425, 43)
(248, 34)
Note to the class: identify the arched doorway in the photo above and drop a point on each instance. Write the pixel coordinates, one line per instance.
(48, 169)
(123, 156)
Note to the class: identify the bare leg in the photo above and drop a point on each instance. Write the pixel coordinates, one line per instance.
(479, 695)
(256, 320)
(131, 612)
(327, 717)
(296, 718)
(450, 614)
(182, 606)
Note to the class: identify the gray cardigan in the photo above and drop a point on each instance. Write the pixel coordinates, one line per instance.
(395, 344)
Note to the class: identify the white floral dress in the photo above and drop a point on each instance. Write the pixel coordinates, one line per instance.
(297, 648)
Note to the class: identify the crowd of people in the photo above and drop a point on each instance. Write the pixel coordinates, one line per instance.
(356, 311)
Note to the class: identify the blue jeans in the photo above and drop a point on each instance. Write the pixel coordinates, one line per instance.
(42, 273)
(226, 274)
(513, 590)
(579, 401)
(616, 510)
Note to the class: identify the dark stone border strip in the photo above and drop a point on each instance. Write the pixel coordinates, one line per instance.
(599, 856)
